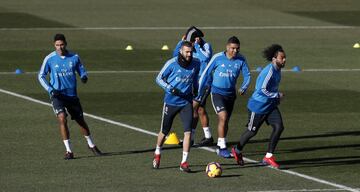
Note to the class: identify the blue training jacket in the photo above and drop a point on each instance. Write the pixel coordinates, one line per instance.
(172, 75)
(266, 95)
(222, 74)
(62, 73)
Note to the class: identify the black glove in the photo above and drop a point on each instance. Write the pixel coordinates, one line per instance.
(84, 79)
(55, 93)
(175, 91)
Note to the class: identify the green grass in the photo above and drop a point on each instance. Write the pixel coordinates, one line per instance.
(320, 110)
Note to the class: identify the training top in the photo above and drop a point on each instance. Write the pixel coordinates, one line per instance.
(62, 73)
(266, 95)
(222, 74)
(203, 53)
(172, 75)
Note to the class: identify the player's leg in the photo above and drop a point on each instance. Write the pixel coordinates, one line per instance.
(204, 119)
(186, 118)
(275, 120)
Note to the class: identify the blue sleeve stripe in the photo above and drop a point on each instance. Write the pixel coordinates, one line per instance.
(42, 74)
(159, 79)
(265, 83)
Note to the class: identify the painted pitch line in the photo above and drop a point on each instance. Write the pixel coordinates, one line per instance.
(302, 190)
(115, 72)
(179, 28)
(205, 148)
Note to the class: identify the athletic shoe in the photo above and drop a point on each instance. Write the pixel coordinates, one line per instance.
(206, 141)
(238, 157)
(223, 153)
(270, 161)
(156, 161)
(96, 151)
(69, 155)
(185, 167)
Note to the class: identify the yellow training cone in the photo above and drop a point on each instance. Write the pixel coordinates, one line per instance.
(356, 45)
(172, 139)
(129, 48)
(165, 48)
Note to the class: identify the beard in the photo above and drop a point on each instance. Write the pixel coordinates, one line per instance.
(183, 62)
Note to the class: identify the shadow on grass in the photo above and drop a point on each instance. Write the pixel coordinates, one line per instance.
(319, 162)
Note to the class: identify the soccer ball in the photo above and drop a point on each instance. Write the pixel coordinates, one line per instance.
(213, 169)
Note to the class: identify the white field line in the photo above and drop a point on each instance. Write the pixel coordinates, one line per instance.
(114, 72)
(327, 27)
(302, 190)
(205, 148)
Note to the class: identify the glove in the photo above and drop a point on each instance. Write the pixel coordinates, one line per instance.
(175, 91)
(55, 93)
(84, 79)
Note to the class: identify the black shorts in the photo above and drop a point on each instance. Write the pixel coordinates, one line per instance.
(223, 103)
(68, 104)
(169, 113)
(256, 120)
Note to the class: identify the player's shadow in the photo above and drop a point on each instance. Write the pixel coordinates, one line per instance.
(320, 162)
(139, 151)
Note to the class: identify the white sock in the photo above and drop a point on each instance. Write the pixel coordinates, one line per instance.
(207, 132)
(192, 135)
(268, 155)
(89, 141)
(221, 143)
(158, 150)
(67, 145)
(184, 156)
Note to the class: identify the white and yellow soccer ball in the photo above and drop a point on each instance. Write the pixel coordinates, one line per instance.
(213, 169)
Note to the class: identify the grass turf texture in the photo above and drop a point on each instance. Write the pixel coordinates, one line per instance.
(320, 111)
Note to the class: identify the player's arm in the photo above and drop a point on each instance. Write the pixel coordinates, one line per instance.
(205, 78)
(80, 69)
(206, 51)
(247, 78)
(44, 70)
(265, 85)
(161, 78)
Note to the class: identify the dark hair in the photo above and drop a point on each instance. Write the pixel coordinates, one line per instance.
(59, 36)
(233, 40)
(192, 33)
(187, 44)
(272, 51)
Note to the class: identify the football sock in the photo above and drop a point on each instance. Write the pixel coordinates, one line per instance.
(157, 150)
(192, 134)
(67, 145)
(268, 155)
(221, 143)
(89, 141)
(184, 156)
(207, 132)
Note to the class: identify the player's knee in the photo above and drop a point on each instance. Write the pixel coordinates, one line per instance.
(62, 118)
(201, 111)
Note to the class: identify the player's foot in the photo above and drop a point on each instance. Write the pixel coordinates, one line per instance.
(270, 161)
(96, 151)
(238, 157)
(223, 153)
(69, 155)
(206, 141)
(185, 167)
(156, 161)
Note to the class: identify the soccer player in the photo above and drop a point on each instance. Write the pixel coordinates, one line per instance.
(63, 66)
(263, 105)
(222, 72)
(203, 52)
(178, 77)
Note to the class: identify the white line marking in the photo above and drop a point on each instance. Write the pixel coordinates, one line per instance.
(205, 148)
(301, 190)
(178, 28)
(114, 72)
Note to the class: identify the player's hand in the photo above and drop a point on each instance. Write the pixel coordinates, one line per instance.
(175, 91)
(55, 93)
(84, 79)
(242, 92)
(281, 95)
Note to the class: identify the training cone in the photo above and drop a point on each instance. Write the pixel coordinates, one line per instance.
(258, 69)
(172, 139)
(129, 48)
(356, 46)
(165, 48)
(296, 69)
(18, 71)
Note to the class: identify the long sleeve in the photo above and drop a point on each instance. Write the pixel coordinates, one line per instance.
(44, 70)
(206, 76)
(163, 75)
(247, 77)
(265, 89)
(80, 69)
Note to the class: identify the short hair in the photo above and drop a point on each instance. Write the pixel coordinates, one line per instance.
(233, 40)
(186, 44)
(192, 33)
(272, 51)
(59, 36)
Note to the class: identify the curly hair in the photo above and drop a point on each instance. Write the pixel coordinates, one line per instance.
(272, 51)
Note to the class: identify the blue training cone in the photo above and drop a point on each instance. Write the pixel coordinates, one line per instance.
(296, 69)
(258, 69)
(18, 71)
